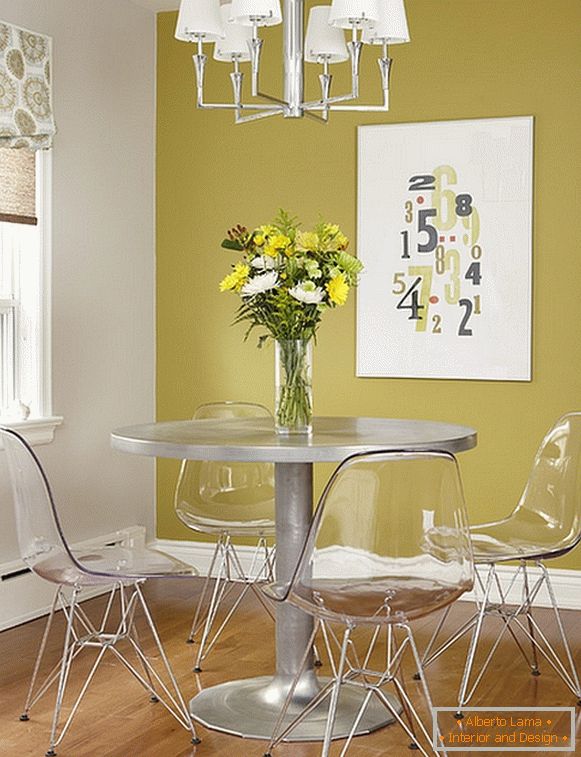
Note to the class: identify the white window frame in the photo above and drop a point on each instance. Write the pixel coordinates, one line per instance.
(40, 429)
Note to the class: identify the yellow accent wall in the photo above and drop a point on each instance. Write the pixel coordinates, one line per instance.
(467, 59)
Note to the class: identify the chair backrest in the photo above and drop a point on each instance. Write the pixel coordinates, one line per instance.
(217, 496)
(549, 510)
(389, 541)
(40, 536)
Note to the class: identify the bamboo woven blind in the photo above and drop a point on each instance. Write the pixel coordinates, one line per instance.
(17, 186)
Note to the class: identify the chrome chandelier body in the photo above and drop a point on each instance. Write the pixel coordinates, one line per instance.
(233, 27)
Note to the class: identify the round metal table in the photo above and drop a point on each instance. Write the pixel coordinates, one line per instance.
(249, 707)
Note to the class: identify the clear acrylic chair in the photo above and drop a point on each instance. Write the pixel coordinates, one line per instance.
(546, 523)
(226, 499)
(389, 543)
(120, 570)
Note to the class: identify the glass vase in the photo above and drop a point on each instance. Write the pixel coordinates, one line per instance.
(293, 365)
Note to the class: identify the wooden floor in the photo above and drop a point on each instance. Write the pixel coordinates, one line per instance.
(117, 720)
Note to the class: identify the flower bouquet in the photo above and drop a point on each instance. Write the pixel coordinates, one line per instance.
(287, 278)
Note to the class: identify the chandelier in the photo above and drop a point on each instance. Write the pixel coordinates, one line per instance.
(234, 27)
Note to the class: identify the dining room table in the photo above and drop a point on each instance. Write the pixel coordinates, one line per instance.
(249, 707)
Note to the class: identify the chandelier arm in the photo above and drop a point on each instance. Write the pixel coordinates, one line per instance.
(354, 108)
(272, 99)
(256, 116)
(336, 99)
(324, 118)
(241, 106)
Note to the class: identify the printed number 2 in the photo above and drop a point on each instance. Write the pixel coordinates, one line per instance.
(463, 330)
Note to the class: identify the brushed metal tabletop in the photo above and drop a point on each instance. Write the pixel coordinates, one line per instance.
(249, 707)
(255, 439)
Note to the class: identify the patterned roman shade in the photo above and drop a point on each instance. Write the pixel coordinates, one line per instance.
(26, 118)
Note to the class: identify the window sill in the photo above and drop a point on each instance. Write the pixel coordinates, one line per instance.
(35, 430)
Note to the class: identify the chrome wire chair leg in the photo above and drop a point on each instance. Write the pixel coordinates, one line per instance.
(567, 674)
(462, 698)
(535, 665)
(230, 575)
(217, 595)
(199, 616)
(153, 629)
(134, 639)
(331, 717)
(39, 656)
(276, 738)
(425, 689)
(64, 673)
(576, 688)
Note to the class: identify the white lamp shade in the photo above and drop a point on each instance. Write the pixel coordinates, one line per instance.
(235, 43)
(261, 12)
(391, 27)
(199, 17)
(344, 13)
(323, 40)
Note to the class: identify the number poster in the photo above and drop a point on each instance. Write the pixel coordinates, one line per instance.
(445, 237)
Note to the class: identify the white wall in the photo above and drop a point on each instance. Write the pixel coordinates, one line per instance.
(103, 260)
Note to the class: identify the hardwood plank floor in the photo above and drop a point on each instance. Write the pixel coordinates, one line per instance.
(116, 718)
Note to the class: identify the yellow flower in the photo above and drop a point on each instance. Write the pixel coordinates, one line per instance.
(258, 240)
(235, 280)
(276, 245)
(307, 241)
(338, 289)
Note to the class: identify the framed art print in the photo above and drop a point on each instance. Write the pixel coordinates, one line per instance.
(445, 235)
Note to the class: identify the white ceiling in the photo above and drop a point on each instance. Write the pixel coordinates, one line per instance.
(158, 5)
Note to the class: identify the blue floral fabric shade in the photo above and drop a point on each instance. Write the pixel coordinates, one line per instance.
(26, 115)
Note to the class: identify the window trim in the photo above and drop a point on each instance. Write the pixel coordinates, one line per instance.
(40, 430)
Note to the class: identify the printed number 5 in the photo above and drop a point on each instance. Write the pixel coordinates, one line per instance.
(398, 281)
(430, 230)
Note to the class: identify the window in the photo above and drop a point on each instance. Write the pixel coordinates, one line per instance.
(25, 399)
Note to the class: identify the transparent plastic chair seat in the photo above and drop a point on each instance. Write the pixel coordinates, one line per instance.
(506, 542)
(547, 519)
(344, 578)
(207, 524)
(118, 563)
(390, 599)
(217, 497)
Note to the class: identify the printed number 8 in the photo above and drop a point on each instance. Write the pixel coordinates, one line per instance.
(463, 205)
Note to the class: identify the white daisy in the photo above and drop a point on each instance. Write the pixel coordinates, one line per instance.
(263, 263)
(307, 292)
(261, 283)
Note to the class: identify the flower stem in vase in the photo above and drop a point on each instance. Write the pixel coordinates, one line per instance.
(294, 400)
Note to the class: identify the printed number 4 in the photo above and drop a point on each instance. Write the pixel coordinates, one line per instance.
(414, 306)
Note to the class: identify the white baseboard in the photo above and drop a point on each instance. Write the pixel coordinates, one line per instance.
(24, 596)
(566, 583)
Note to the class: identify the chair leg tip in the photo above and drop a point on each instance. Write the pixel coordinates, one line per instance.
(24, 717)
(458, 715)
(318, 664)
(535, 672)
(413, 746)
(50, 753)
(417, 676)
(153, 698)
(196, 740)
(189, 641)
(197, 669)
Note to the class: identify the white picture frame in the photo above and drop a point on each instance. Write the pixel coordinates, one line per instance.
(445, 235)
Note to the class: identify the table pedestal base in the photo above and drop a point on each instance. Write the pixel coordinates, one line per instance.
(250, 707)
